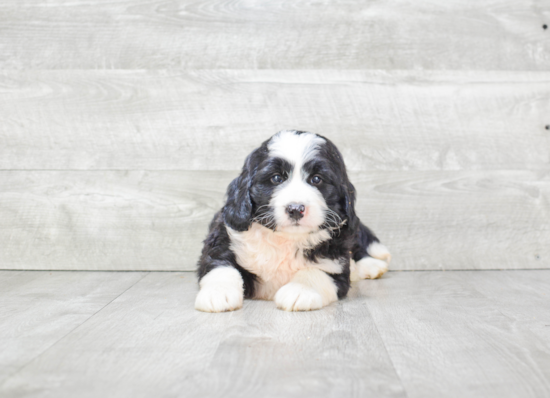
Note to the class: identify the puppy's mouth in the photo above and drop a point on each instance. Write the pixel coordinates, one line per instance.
(297, 227)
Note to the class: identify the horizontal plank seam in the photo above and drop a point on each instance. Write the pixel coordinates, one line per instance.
(542, 167)
(235, 172)
(193, 272)
(182, 170)
(72, 330)
(372, 71)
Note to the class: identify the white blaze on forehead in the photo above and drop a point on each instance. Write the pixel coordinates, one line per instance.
(295, 148)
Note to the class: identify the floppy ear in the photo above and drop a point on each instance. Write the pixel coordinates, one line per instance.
(237, 211)
(347, 200)
(349, 205)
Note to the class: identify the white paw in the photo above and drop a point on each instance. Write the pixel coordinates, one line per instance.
(379, 251)
(370, 268)
(221, 290)
(212, 300)
(297, 297)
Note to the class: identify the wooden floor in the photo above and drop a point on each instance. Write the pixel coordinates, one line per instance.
(136, 334)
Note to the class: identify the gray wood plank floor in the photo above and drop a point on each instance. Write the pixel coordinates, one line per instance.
(156, 220)
(37, 309)
(457, 332)
(248, 34)
(414, 334)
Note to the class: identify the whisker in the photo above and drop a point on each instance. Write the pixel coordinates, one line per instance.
(333, 220)
(266, 219)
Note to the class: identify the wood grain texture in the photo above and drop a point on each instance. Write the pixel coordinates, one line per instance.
(151, 342)
(38, 309)
(457, 334)
(132, 220)
(413, 334)
(255, 34)
(457, 219)
(211, 120)
(156, 220)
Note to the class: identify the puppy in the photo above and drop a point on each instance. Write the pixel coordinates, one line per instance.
(288, 231)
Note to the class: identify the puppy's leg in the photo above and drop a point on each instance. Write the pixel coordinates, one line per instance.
(221, 289)
(223, 283)
(371, 258)
(309, 289)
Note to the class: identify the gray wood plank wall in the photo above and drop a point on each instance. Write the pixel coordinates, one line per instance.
(121, 124)
(151, 220)
(397, 34)
(210, 120)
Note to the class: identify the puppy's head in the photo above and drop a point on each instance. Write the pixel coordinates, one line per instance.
(296, 183)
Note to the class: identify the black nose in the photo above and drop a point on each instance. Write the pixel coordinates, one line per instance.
(295, 210)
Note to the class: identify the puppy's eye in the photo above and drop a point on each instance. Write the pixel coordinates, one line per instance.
(277, 179)
(316, 180)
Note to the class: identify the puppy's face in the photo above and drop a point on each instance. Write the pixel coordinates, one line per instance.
(295, 182)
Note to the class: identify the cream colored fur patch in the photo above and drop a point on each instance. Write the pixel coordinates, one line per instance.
(275, 256)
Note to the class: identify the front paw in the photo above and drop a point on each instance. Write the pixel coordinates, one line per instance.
(218, 300)
(298, 297)
(220, 290)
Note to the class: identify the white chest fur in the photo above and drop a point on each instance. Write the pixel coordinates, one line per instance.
(275, 257)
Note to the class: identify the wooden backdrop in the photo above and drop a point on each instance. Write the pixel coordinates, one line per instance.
(122, 122)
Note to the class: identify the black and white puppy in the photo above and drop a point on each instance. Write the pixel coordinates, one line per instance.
(288, 231)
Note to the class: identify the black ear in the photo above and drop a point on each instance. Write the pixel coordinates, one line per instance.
(349, 205)
(237, 211)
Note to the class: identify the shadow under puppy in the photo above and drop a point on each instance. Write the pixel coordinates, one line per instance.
(288, 231)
